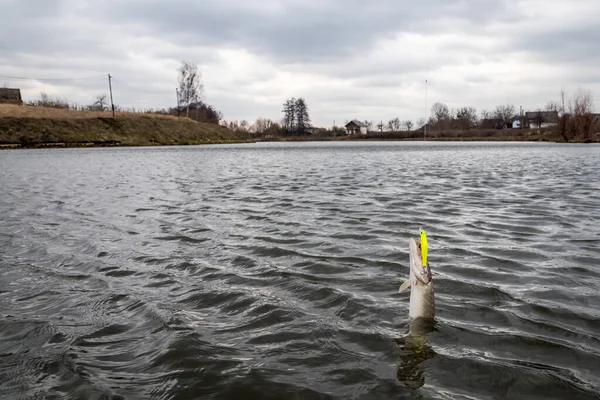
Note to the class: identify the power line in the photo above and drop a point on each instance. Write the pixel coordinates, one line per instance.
(138, 89)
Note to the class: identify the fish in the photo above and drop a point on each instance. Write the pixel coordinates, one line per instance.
(420, 281)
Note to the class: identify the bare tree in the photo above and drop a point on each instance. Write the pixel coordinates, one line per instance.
(369, 125)
(582, 104)
(190, 85)
(45, 99)
(580, 109)
(440, 112)
(408, 124)
(505, 113)
(466, 117)
(394, 125)
(101, 102)
(421, 122)
(244, 126)
(485, 114)
(380, 126)
(262, 124)
(390, 125)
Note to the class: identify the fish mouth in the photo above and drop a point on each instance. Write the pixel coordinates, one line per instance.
(421, 272)
(415, 251)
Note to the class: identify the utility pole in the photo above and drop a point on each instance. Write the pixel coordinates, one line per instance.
(112, 105)
(177, 93)
(521, 115)
(425, 127)
(563, 125)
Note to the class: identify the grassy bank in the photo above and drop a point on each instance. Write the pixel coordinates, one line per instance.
(22, 126)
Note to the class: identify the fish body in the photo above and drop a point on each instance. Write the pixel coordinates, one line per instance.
(420, 283)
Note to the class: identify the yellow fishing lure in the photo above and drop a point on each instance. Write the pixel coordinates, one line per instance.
(423, 247)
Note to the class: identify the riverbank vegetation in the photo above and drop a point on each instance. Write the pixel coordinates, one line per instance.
(567, 120)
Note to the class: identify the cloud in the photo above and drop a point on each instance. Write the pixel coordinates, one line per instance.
(301, 31)
(349, 59)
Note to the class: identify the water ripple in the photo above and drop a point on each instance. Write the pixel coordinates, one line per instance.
(271, 271)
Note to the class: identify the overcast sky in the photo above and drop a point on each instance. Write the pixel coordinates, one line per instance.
(348, 58)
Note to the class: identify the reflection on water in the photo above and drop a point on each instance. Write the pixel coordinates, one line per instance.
(414, 350)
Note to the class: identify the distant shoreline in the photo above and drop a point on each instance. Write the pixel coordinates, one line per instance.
(515, 138)
(206, 141)
(23, 127)
(17, 146)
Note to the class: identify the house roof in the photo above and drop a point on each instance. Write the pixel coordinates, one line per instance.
(547, 116)
(492, 120)
(10, 94)
(357, 123)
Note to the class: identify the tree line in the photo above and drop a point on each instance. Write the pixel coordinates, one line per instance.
(442, 117)
(296, 119)
(294, 122)
(574, 117)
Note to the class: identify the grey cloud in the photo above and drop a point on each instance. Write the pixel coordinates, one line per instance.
(35, 26)
(300, 31)
(17, 9)
(563, 44)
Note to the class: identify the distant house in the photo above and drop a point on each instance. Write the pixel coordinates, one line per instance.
(493, 123)
(541, 119)
(355, 127)
(519, 121)
(10, 96)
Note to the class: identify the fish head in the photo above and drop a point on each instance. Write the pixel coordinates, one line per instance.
(420, 272)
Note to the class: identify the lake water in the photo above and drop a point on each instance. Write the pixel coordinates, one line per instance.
(271, 271)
